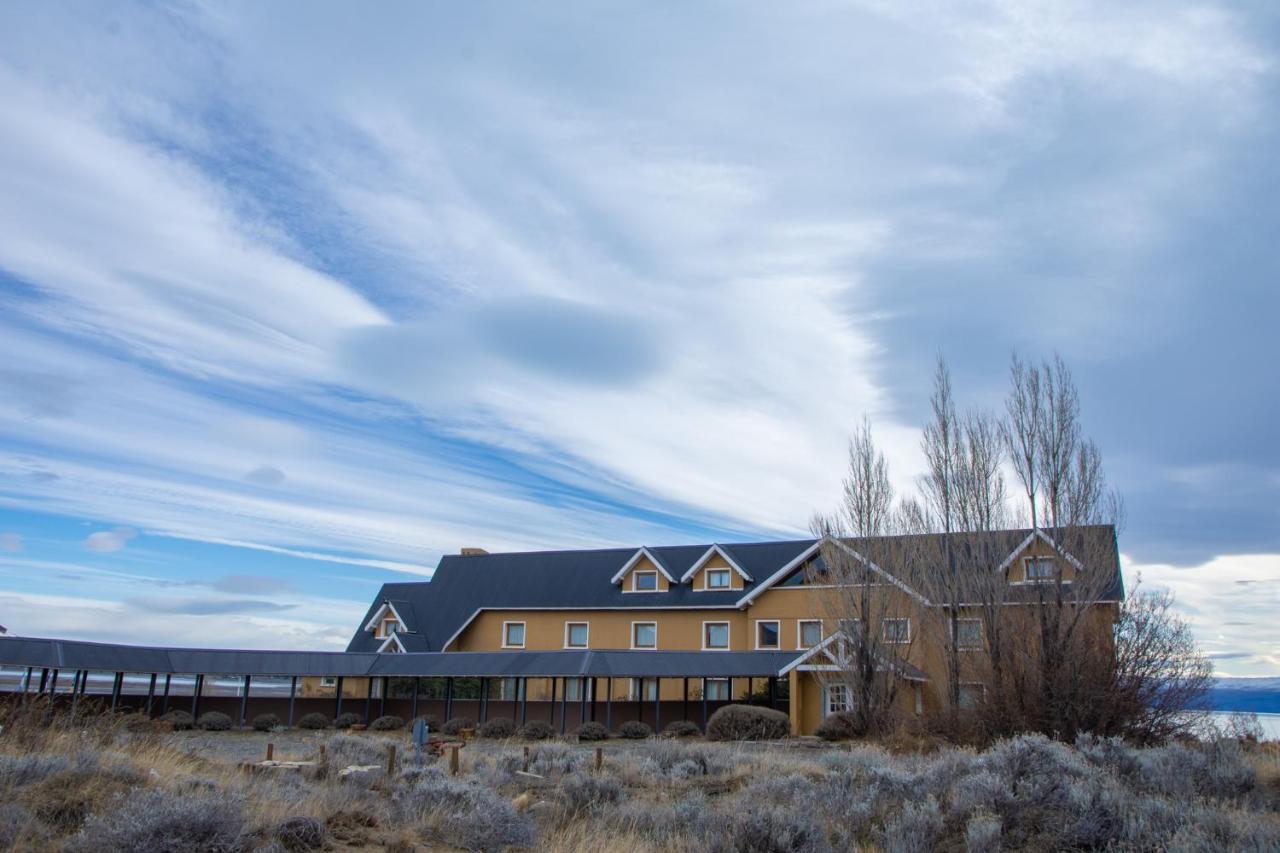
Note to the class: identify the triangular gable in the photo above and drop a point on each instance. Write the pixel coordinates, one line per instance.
(637, 557)
(387, 607)
(706, 557)
(1026, 543)
(392, 640)
(888, 576)
(834, 662)
(781, 573)
(807, 553)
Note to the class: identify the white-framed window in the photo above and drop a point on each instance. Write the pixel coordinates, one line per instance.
(715, 636)
(646, 581)
(644, 635)
(508, 689)
(718, 689)
(896, 630)
(768, 634)
(328, 681)
(837, 698)
(972, 694)
(388, 626)
(575, 687)
(1041, 569)
(968, 632)
(643, 688)
(576, 635)
(808, 633)
(513, 635)
(719, 579)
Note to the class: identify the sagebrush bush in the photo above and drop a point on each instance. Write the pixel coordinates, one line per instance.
(463, 814)
(150, 820)
(387, 723)
(300, 833)
(345, 750)
(634, 730)
(266, 722)
(982, 833)
(17, 771)
(180, 720)
(499, 728)
(347, 720)
(313, 721)
(914, 829)
(536, 730)
(689, 823)
(581, 794)
(747, 722)
(556, 759)
(675, 760)
(15, 821)
(591, 731)
(764, 827)
(214, 721)
(838, 726)
(681, 728)
(456, 725)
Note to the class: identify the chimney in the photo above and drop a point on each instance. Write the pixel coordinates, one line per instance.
(473, 552)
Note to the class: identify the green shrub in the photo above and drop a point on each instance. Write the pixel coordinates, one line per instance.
(536, 730)
(180, 720)
(314, 720)
(347, 720)
(747, 722)
(456, 725)
(387, 723)
(266, 722)
(681, 728)
(592, 730)
(499, 728)
(634, 730)
(214, 721)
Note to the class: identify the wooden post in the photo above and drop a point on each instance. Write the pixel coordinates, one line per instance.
(26, 684)
(271, 751)
(639, 698)
(599, 758)
(526, 759)
(391, 760)
(608, 703)
(584, 685)
(293, 692)
(244, 700)
(323, 757)
(453, 760)
(151, 695)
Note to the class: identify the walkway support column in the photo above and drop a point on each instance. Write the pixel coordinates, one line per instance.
(484, 701)
(686, 698)
(151, 695)
(164, 703)
(244, 701)
(704, 706)
(552, 721)
(293, 692)
(26, 685)
(413, 700)
(657, 705)
(337, 705)
(773, 693)
(195, 697)
(382, 704)
(116, 685)
(564, 708)
(795, 707)
(368, 701)
(75, 692)
(608, 703)
(523, 686)
(448, 699)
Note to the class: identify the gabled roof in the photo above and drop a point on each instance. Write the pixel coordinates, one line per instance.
(901, 668)
(397, 609)
(636, 558)
(705, 558)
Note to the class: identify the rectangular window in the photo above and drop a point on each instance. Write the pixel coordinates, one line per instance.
(575, 635)
(328, 681)
(715, 635)
(718, 579)
(389, 627)
(767, 633)
(810, 633)
(1040, 569)
(644, 581)
(837, 698)
(718, 689)
(897, 630)
(575, 687)
(509, 689)
(513, 635)
(968, 633)
(972, 695)
(643, 688)
(644, 635)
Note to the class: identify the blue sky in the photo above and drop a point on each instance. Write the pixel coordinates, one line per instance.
(295, 298)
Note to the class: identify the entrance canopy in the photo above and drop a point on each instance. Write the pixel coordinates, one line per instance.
(78, 655)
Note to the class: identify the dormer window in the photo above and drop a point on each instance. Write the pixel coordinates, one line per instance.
(718, 579)
(387, 627)
(1041, 570)
(644, 581)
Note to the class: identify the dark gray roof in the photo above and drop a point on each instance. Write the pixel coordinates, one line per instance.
(581, 580)
(74, 654)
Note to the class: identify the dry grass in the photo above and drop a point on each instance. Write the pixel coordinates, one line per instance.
(102, 783)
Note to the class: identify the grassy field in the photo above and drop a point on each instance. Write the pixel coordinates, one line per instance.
(106, 785)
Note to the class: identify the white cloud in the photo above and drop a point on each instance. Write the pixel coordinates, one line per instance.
(108, 541)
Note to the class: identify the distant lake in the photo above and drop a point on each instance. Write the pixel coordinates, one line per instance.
(1270, 723)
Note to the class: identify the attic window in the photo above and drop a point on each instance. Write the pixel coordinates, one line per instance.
(718, 579)
(387, 627)
(645, 582)
(1040, 570)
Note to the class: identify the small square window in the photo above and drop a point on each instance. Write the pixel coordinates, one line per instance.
(969, 633)
(837, 698)
(513, 635)
(897, 630)
(767, 635)
(1040, 569)
(718, 689)
(575, 635)
(718, 579)
(715, 635)
(645, 581)
(644, 635)
(328, 681)
(810, 633)
(646, 688)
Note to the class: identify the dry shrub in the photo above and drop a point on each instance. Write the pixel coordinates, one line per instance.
(180, 720)
(300, 833)
(592, 731)
(499, 728)
(214, 721)
(681, 728)
(387, 723)
(839, 726)
(158, 821)
(456, 725)
(313, 721)
(463, 814)
(347, 720)
(747, 722)
(266, 722)
(536, 730)
(634, 730)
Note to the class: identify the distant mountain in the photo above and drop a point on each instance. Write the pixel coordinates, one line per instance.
(1260, 695)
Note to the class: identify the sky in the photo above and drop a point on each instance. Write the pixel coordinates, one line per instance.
(295, 298)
